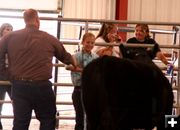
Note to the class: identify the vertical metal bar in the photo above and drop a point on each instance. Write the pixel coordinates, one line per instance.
(175, 34)
(154, 35)
(56, 70)
(178, 81)
(56, 61)
(86, 27)
(80, 32)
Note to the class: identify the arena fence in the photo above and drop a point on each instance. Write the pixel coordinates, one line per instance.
(86, 24)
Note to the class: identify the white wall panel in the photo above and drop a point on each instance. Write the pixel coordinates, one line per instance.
(87, 9)
(157, 11)
(23, 4)
(91, 9)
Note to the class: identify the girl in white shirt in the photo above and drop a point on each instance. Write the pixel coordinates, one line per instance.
(107, 34)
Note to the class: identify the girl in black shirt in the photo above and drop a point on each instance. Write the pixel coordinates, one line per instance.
(142, 36)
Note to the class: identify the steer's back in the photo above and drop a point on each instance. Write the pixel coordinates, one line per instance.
(118, 93)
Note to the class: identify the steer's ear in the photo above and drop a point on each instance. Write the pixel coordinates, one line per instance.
(123, 51)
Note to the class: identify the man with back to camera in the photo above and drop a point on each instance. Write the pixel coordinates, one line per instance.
(30, 52)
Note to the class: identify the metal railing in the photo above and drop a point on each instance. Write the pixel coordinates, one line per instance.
(86, 25)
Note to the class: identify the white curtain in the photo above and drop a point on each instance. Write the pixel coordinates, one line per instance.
(157, 11)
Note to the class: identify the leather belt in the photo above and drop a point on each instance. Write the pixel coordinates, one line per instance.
(24, 79)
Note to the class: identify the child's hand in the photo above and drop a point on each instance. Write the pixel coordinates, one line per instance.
(78, 69)
(70, 67)
(73, 68)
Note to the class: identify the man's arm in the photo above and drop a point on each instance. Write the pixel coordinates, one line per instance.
(3, 52)
(74, 67)
(61, 53)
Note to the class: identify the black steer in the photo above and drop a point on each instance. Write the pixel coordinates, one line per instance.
(121, 94)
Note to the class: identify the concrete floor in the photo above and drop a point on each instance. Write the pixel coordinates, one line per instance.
(64, 124)
(64, 110)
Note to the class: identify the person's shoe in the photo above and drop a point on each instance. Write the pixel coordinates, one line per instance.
(1, 127)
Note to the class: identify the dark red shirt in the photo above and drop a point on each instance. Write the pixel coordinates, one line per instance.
(30, 53)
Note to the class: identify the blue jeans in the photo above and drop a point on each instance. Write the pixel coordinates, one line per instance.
(3, 90)
(78, 107)
(37, 96)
